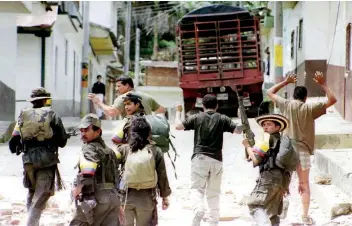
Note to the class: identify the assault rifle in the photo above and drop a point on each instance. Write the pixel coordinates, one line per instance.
(71, 132)
(245, 124)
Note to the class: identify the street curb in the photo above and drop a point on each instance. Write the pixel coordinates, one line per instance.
(7, 135)
(330, 198)
(333, 141)
(339, 171)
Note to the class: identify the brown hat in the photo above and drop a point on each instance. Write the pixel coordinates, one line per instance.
(39, 94)
(90, 119)
(282, 120)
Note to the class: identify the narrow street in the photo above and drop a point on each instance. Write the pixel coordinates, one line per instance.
(238, 181)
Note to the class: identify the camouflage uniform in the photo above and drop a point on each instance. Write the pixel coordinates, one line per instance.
(40, 159)
(266, 200)
(142, 204)
(99, 203)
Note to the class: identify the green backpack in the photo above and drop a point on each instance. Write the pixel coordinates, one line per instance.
(160, 131)
(161, 134)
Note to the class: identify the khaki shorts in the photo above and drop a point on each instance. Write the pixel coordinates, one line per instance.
(304, 155)
(304, 158)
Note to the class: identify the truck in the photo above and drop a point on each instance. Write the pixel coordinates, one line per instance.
(219, 54)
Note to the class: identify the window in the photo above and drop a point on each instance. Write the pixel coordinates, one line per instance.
(348, 48)
(292, 44)
(66, 56)
(300, 37)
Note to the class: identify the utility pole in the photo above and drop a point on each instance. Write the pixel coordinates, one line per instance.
(127, 38)
(85, 60)
(278, 42)
(136, 58)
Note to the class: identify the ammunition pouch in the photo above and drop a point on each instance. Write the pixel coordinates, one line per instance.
(105, 186)
(41, 157)
(269, 163)
(89, 185)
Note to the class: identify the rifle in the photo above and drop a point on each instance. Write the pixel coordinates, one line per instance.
(245, 124)
(71, 133)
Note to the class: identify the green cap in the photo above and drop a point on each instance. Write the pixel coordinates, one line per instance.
(90, 119)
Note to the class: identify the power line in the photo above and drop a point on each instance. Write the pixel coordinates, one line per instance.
(333, 40)
(148, 31)
(156, 17)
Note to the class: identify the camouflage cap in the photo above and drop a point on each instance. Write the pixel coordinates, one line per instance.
(38, 94)
(90, 119)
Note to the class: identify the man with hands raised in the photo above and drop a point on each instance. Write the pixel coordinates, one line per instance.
(301, 117)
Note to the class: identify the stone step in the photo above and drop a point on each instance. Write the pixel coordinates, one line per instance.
(337, 164)
(332, 200)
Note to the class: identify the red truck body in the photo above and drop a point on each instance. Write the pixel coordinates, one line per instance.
(219, 47)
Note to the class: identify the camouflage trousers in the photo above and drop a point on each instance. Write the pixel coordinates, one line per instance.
(105, 213)
(141, 207)
(266, 200)
(39, 193)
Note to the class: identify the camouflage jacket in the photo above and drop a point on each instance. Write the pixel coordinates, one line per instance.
(97, 165)
(41, 153)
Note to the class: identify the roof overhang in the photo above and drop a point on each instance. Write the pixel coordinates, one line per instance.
(289, 4)
(39, 25)
(102, 40)
(114, 70)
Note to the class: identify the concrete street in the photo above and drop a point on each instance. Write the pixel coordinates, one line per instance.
(238, 181)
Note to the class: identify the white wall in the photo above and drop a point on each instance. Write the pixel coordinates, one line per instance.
(63, 84)
(316, 29)
(337, 48)
(28, 69)
(291, 18)
(63, 79)
(8, 49)
(319, 41)
(101, 13)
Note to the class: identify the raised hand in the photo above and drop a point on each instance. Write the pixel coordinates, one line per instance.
(94, 98)
(291, 78)
(319, 78)
(178, 107)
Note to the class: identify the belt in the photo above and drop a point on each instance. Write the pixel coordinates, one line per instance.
(105, 186)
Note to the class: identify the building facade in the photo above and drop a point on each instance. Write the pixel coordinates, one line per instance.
(8, 55)
(316, 37)
(43, 47)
